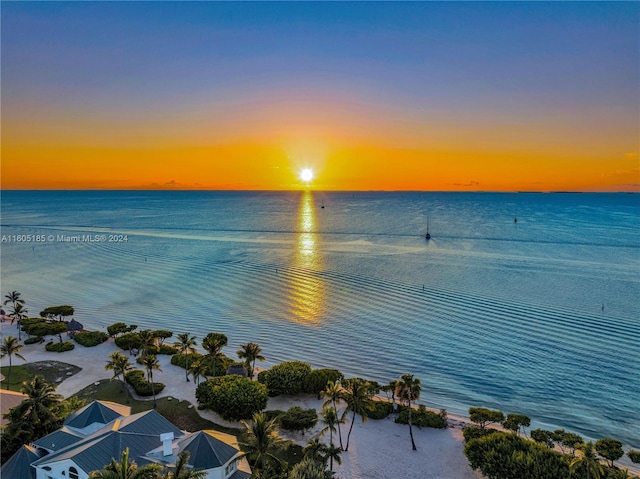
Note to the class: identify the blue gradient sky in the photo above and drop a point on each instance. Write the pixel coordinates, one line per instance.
(456, 88)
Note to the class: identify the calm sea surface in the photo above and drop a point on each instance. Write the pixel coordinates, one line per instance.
(540, 317)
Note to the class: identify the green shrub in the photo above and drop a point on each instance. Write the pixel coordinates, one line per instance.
(89, 339)
(140, 384)
(42, 327)
(421, 417)
(128, 341)
(316, 381)
(273, 414)
(381, 409)
(475, 432)
(222, 362)
(25, 323)
(60, 347)
(233, 397)
(33, 340)
(298, 419)
(285, 378)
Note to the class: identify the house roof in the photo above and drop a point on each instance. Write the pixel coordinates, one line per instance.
(102, 412)
(138, 432)
(240, 475)
(59, 439)
(207, 450)
(19, 465)
(9, 400)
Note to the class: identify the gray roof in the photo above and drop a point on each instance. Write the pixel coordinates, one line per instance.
(74, 325)
(206, 450)
(59, 439)
(102, 412)
(19, 465)
(238, 369)
(240, 475)
(138, 432)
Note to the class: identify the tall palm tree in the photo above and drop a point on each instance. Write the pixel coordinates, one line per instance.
(126, 470)
(408, 389)
(186, 345)
(262, 440)
(588, 460)
(315, 449)
(333, 454)
(250, 352)
(14, 298)
(19, 312)
(357, 394)
(120, 366)
(329, 417)
(147, 339)
(40, 406)
(151, 363)
(213, 344)
(181, 470)
(198, 369)
(333, 394)
(10, 347)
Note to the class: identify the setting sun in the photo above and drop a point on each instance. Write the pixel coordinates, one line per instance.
(306, 175)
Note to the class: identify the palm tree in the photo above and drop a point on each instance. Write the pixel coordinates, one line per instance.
(19, 312)
(186, 345)
(587, 459)
(333, 393)
(126, 470)
(213, 344)
(151, 363)
(333, 454)
(10, 347)
(250, 352)
(329, 417)
(120, 365)
(182, 471)
(408, 390)
(262, 440)
(40, 406)
(315, 449)
(198, 369)
(147, 339)
(357, 394)
(14, 298)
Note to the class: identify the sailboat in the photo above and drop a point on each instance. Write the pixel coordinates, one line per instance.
(515, 217)
(427, 236)
(322, 204)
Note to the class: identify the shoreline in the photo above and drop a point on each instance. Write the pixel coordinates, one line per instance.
(450, 442)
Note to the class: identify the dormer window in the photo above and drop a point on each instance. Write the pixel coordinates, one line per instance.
(73, 473)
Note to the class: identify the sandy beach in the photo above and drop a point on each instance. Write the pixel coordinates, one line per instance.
(378, 449)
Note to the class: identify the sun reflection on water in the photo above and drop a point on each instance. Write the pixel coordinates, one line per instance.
(307, 287)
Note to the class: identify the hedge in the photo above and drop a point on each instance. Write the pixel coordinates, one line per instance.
(285, 378)
(421, 417)
(89, 339)
(233, 397)
(42, 327)
(140, 384)
(33, 340)
(316, 381)
(60, 347)
(381, 409)
(222, 362)
(298, 419)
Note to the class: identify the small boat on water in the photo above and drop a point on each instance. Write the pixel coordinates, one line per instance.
(427, 236)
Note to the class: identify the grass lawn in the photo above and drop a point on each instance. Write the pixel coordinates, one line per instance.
(52, 371)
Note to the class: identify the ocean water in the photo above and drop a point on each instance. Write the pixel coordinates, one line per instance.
(540, 317)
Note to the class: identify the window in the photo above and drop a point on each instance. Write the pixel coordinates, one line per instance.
(230, 467)
(73, 473)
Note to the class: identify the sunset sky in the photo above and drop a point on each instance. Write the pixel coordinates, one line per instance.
(371, 96)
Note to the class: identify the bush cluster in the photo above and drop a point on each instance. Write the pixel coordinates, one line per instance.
(380, 410)
(298, 419)
(316, 381)
(163, 349)
(90, 338)
(140, 384)
(222, 362)
(60, 347)
(233, 397)
(421, 417)
(42, 327)
(33, 340)
(285, 378)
